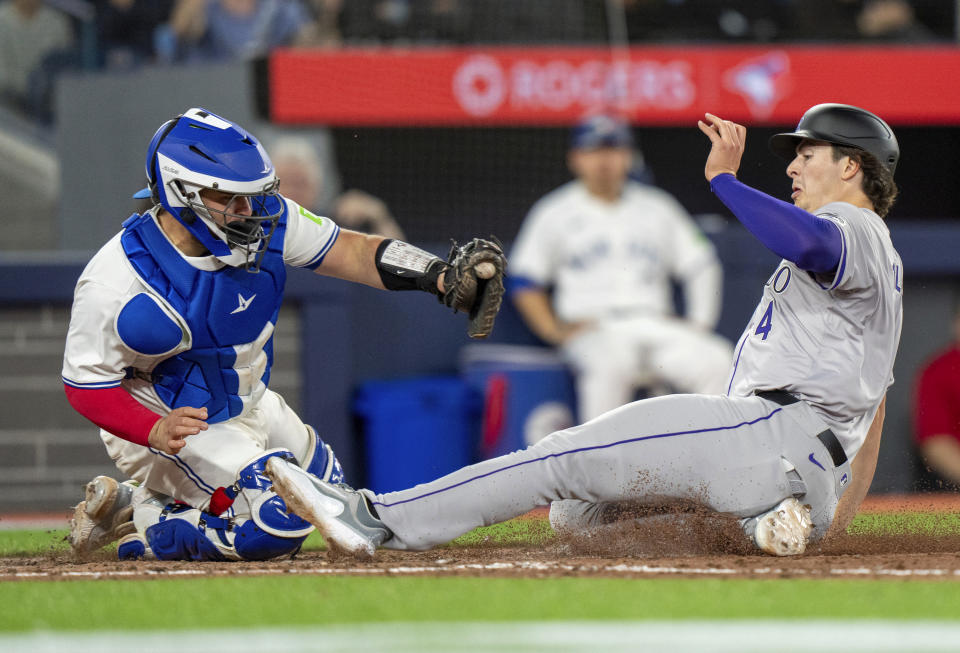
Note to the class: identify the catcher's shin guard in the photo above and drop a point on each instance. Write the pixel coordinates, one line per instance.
(257, 527)
(134, 547)
(323, 464)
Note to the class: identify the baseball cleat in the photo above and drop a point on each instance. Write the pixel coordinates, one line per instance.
(784, 530)
(104, 515)
(339, 512)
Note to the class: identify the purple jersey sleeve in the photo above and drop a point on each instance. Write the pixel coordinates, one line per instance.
(813, 243)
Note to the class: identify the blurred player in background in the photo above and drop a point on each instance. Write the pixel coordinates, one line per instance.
(170, 347)
(936, 411)
(591, 273)
(790, 449)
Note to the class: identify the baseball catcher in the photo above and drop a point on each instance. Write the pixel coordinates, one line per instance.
(170, 346)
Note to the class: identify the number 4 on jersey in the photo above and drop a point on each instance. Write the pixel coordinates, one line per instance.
(766, 322)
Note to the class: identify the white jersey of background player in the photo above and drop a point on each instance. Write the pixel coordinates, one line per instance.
(790, 449)
(169, 348)
(591, 272)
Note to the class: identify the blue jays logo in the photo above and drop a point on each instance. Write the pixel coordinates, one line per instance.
(762, 81)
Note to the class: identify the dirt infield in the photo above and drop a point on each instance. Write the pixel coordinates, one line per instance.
(907, 557)
(696, 545)
(861, 557)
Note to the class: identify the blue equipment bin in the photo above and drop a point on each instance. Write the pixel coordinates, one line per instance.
(527, 394)
(416, 430)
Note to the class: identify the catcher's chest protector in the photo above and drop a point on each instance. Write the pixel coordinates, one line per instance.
(229, 314)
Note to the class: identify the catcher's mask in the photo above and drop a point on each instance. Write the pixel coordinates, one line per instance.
(841, 124)
(199, 151)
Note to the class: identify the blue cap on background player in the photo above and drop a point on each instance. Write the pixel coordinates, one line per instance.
(601, 130)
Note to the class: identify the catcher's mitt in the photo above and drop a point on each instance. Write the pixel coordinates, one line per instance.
(473, 283)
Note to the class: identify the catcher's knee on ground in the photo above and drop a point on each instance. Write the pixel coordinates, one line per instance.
(256, 526)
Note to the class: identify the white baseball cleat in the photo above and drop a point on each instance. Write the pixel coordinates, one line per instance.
(339, 512)
(784, 530)
(103, 516)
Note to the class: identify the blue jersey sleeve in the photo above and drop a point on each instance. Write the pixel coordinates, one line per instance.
(813, 243)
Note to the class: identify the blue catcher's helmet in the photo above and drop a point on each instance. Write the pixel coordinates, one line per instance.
(200, 151)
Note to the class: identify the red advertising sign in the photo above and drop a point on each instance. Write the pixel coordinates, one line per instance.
(654, 86)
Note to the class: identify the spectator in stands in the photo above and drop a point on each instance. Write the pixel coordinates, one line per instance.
(409, 20)
(534, 21)
(780, 20)
(591, 272)
(323, 30)
(307, 178)
(126, 30)
(311, 182)
(710, 20)
(936, 412)
(32, 35)
(891, 20)
(821, 20)
(232, 29)
(365, 213)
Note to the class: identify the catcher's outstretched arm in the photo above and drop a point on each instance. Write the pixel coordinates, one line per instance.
(351, 256)
(471, 280)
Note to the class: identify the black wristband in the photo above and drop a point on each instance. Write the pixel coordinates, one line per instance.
(404, 267)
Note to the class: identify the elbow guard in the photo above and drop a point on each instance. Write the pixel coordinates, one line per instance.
(404, 267)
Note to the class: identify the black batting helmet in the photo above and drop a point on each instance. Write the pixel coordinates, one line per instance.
(842, 124)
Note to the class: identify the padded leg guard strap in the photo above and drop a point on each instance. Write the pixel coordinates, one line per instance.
(259, 527)
(266, 509)
(185, 533)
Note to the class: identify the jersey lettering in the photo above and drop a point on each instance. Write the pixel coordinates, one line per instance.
(896, 278)
(766, 322)
(781, 280)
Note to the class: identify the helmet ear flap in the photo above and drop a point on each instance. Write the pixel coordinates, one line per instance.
(154, 193)
(152, 159)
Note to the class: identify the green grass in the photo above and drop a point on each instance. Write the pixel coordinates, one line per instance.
(906, 523)
(316, 600)
(32, 542)
(304, 600)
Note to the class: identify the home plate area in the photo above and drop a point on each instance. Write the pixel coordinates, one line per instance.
(907, 556)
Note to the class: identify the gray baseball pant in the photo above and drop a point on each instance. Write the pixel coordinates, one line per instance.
(725, 453)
